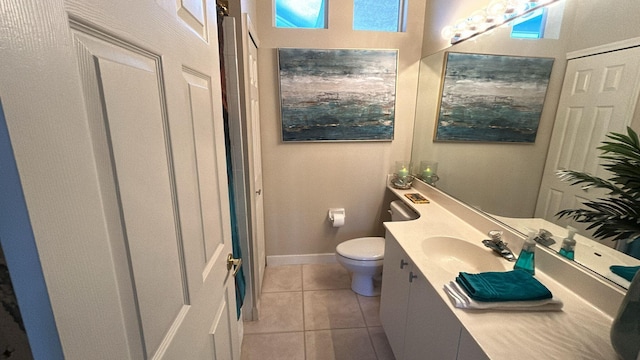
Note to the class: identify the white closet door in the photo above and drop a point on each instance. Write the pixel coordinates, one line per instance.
(599, 95)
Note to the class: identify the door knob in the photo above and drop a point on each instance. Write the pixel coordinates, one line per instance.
(233, 263)
(259, 191)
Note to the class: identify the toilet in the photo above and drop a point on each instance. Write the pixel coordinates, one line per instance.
(363, 257)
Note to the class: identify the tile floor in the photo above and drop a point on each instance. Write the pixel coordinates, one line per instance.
(309, 312)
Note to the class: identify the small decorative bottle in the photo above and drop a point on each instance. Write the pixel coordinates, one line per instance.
(526, 259)
(567, 249)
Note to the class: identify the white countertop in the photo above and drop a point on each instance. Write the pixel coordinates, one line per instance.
(579, 331)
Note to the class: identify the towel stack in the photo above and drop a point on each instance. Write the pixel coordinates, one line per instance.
(511, 290)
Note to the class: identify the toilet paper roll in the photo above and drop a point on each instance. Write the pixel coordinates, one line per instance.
(338, 220)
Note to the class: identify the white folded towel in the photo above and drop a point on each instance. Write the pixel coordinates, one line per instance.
(463, 301)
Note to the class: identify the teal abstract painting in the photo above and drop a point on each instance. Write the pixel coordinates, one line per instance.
(492, 98)
(337, 95)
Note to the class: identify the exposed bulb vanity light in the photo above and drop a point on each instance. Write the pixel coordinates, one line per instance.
(497, 13)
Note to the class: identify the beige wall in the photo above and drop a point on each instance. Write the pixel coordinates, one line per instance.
(303, 180)
(602, 22)
(504, 178)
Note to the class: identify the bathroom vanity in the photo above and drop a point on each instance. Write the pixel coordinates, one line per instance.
(416, 320)
(420, 321)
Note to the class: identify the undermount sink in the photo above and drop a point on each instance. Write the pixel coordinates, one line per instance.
(455, 255)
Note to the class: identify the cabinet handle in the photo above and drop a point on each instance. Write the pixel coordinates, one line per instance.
(412, 276)
(403, 263)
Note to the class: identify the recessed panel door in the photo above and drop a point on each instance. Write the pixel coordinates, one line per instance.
(148, 279)
(594, 101)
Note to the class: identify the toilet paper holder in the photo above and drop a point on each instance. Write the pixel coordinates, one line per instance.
(336, 213)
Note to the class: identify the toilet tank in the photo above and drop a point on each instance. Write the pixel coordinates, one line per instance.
(401, 212)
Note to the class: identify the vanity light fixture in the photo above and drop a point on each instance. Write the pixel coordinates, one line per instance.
(497, 13)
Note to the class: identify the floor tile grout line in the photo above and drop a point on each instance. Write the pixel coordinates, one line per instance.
(346, 328)
(364, 318)
(304, 327)
(277, 332)
(372, 344)
(302, 277)
(281, 291)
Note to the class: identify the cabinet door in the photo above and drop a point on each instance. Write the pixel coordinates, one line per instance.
(395, 294)
(432, 331)
(469, 349)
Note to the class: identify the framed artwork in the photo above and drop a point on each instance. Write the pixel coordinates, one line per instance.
(492, 98)
(337, 95)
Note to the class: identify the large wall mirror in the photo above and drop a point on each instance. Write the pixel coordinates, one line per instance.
(510, 181)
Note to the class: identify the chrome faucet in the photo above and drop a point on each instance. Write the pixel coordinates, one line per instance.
(498, 245)
(544, 237)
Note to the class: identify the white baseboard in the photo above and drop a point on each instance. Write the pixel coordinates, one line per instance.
(276, 260)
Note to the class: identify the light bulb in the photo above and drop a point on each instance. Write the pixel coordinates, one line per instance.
(517, 6)
(478, 16)
(477, 19)
(447, 32)
(497, 8)
(460, 25)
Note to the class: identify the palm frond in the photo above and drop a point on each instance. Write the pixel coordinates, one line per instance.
(616, 216)
(589, 181)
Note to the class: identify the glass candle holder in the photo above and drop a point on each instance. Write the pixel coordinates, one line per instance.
(402, 178)
(402, 169)
(428, 171)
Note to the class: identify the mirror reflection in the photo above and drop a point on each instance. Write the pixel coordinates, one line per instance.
(597, 46)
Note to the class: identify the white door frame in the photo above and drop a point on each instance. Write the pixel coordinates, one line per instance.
(245, 33)
(614, 46)
(22, 258)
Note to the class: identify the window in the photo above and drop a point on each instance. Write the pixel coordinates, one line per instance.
(310, 14)
(530, 26)
(379, 15)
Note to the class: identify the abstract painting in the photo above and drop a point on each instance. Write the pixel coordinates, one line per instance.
(337, 95)
(492, 98)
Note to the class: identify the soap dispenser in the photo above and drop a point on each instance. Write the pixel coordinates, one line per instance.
(567, 249)
(526, 259)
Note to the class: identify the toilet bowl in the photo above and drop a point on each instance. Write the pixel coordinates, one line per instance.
(363, 257)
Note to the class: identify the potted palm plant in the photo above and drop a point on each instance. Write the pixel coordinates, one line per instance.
(616, 216)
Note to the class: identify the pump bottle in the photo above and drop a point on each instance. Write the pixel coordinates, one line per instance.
(526, 259)
(567, 249)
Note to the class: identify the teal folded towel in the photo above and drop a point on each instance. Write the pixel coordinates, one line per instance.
(626, 272)
(515, 285)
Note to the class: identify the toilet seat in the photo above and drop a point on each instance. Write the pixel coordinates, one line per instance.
(363, 249)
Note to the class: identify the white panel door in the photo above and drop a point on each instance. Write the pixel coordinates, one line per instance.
(147, 278)
(256, 168)
(595, 100)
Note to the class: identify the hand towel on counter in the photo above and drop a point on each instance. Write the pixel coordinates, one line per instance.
(460, 299)
(515, 285)
(626, 272)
